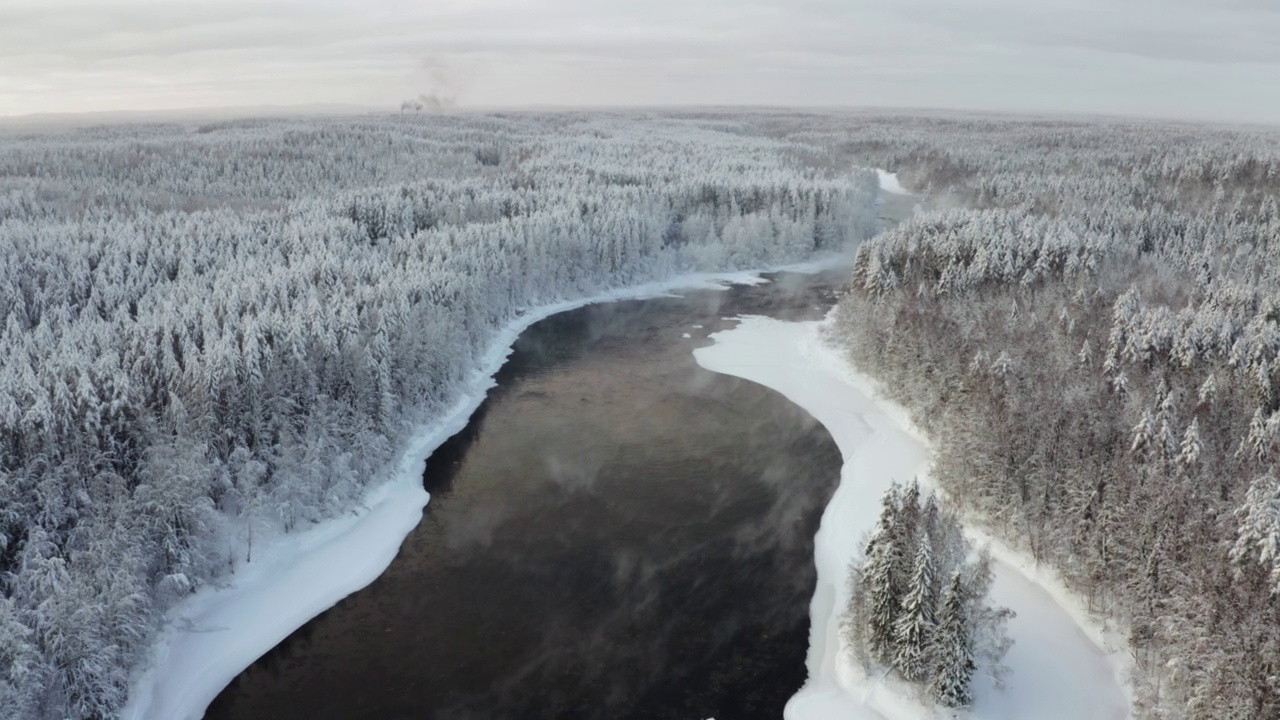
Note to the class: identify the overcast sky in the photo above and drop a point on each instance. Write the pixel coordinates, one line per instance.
(1216, 59)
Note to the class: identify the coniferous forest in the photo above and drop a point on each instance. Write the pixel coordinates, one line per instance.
(1087, 323)
(214, 332)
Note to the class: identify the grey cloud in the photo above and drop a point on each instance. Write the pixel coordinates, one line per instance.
(1180, 30)
(1092, 55)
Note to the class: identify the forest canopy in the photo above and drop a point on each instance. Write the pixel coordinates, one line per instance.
(214, 331)
(1085, 320)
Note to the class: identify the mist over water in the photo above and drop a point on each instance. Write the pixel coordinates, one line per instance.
(617, 534)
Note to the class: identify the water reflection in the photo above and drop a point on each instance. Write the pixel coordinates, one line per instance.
(617, 534)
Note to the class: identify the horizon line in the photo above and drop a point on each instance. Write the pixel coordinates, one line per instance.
(338, 109)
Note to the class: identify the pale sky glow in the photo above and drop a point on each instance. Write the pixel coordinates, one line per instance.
(1197, 59)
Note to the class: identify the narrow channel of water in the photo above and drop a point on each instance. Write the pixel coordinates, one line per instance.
(616, 534)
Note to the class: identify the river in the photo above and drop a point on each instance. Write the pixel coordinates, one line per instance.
(617, 533)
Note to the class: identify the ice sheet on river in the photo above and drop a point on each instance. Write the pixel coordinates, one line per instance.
(1060, 669)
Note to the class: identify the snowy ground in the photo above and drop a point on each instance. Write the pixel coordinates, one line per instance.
(889, 183)
(1060, 670)
(215, 634)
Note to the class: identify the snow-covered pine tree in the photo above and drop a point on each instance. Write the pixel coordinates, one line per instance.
(1258, 529)
(917, 617)
(1166, 441)
(1191, 448)
(1143, 436)
(909, 516)
(881, 583)
(952, 665)
(905, 535)
(1208, 391)
(1257, 442)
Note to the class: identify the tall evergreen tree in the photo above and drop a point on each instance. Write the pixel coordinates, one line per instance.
(881, 582)
(917, 616)
(909, 516)
(905, 531)
(952, 657)
(1191, 448)
(1143, 436)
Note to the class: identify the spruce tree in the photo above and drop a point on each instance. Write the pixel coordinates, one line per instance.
(905, 533)
(909, 516)
(952, 658)
(1143, 436)
(917, 617)
(882, 585)
(1191, 448)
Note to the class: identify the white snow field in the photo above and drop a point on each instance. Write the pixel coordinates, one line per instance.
(1059, 669)
(889, 183)
(211, 637)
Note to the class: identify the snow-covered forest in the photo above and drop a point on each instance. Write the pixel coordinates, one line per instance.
(919, 601)
(1086, 320)
(211, 334)
(215, 333)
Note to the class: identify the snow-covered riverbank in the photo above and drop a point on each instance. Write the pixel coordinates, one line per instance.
(215, 634)
(1060, 669)
(889, 183)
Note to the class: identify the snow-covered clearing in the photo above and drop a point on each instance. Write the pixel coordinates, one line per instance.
(216, 633)
(1059, 669)
(889, 183)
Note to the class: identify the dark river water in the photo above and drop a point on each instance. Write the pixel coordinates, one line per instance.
(617, 534)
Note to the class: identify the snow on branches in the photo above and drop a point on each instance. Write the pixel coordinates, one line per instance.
(1128, 271)
(213, 329)
(918, 604)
